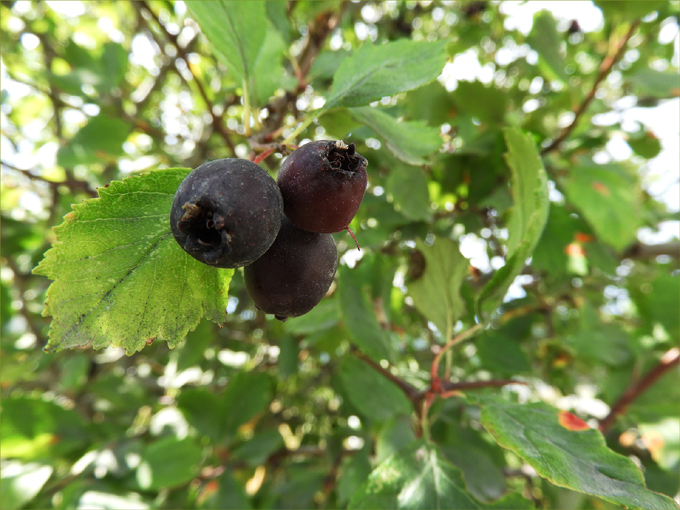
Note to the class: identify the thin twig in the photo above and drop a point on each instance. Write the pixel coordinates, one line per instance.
(224, 132)
(637, 387)
(434, 369)
(72, 184)
(411, 391)
(605, 69)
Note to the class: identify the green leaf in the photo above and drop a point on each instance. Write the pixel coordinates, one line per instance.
(20, 483)
(376, 71)
(360, 320)
(32, 428)
(661, 84)
(545, 39)
(420, 477)
(529, 213)
(623, 10)
(114, 64)
(323, 316)
(257, 450)
(276, 13)
(203, 411)
(353, 473)
(382, 402)
(501, 354)
(658, 301)
(566, 452)
(268, 73)
(609, 201)
(408, 141)
(410, 195)
(168, 463)
(437, 293)
(644, 143)
(231, 494)
(487, 103)
(247, 394)
(237, 32)
(121, 279)
(99, 140)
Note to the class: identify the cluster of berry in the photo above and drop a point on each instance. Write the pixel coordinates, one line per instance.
(230, 213)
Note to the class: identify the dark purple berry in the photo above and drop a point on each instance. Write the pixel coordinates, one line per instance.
(294, 274)
(226, 213)
(323, 184)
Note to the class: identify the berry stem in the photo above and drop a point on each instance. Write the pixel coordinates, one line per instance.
(352, 234)
(264, 155)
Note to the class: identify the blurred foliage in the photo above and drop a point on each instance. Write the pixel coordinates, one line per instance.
(317, 412)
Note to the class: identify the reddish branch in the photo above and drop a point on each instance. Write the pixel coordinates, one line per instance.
(411, 391)
(605, 68)
(670, 359)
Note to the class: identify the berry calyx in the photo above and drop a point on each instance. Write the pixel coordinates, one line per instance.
(323, 184)
(226, 213)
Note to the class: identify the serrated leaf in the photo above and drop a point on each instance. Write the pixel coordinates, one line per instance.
(236, 31)
(545, 39)
(359, 318)
(409, 191)
(408, 141)
(529, 213)
(376, 71)
(420, 477)
(437, 293)
(609, 201)
(382, 402)
(568, 453)
(120, 278)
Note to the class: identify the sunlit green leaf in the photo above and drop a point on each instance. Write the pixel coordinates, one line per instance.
(121, 279)
(609, 200)
(529, 213)
(545, 39)
(565, 450)
(420, 477)
(375, 71)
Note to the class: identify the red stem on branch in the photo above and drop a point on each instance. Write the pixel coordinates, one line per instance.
(637, 387)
